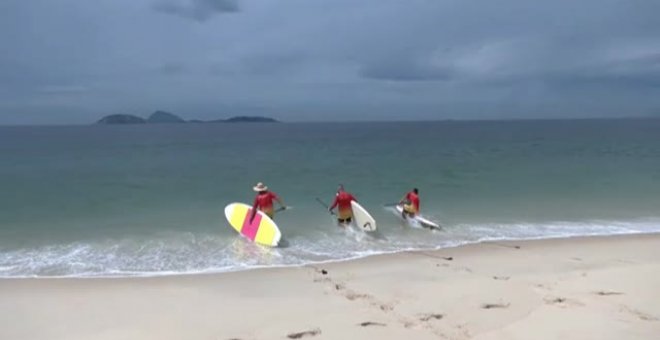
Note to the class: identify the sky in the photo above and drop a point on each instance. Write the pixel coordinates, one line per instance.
(74, 61)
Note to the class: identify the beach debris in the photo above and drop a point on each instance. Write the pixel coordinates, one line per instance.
(371, 323)
(299, 335)
(494, 305)
(448, 258)
(324, 272)
(431, 316)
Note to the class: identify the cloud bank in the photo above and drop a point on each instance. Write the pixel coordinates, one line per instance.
(316, 60)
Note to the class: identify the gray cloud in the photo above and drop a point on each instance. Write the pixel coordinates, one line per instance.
(172, 68)
(328, 60)
(198, 10)
(406, 70)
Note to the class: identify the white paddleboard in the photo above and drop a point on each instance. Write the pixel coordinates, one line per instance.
(421, 220)
(362, 218)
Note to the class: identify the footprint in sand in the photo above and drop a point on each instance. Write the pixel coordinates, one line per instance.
(562, 302)
(556, 300)
(354, 296)
(641, 315)
(430, 316)
(299, 335)
(495, 305)
(323, 278)
(501, 278)
(371, 323)
(385, 307)
(607, 293)
(463, 269)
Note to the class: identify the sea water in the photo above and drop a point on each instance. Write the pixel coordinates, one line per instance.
(90, 201)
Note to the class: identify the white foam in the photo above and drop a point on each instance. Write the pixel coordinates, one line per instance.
(190, 253)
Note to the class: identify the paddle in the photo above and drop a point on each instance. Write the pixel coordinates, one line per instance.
(276, 210)
(283, 208)
(325, 206)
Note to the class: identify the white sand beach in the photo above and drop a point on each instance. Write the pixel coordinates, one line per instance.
(579, 288)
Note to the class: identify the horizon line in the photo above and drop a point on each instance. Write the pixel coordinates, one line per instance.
(191, 121)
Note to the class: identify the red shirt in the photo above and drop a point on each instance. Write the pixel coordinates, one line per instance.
(343, 200)
(265, 201)
(414, 200)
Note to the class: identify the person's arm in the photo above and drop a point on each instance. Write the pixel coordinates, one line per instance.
(254, 208)
(278, 200)
(403, 199)
(333, 205)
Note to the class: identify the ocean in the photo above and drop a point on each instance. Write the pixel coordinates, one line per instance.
(115, 201)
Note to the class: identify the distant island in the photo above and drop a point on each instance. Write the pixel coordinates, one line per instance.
(121, 119)
(162, 117)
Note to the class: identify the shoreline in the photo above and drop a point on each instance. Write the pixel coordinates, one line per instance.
(327, 262)
(602, 287)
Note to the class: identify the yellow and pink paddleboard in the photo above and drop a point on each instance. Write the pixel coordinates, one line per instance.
(261, 229)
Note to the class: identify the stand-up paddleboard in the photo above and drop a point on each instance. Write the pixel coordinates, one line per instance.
(261, 230)
(421, 220)
(362, 218)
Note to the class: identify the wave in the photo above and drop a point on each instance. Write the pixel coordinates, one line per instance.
(177, 253)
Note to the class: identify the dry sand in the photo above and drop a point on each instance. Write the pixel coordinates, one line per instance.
(581, 288)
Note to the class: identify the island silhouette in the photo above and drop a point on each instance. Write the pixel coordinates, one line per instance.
(162, 117)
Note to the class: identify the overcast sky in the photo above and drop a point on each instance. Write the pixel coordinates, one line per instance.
(73, 61)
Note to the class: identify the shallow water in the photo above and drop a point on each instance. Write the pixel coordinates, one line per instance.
(148, 200)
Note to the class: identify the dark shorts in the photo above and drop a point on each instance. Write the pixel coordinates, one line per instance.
(345, 220)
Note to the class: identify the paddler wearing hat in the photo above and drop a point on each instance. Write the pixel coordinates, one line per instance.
(264, 201)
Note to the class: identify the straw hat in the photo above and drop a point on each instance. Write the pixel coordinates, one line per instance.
(260, 187)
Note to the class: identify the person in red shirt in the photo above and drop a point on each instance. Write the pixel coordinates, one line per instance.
(264, 201)
(410, 204)
(343, 203)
